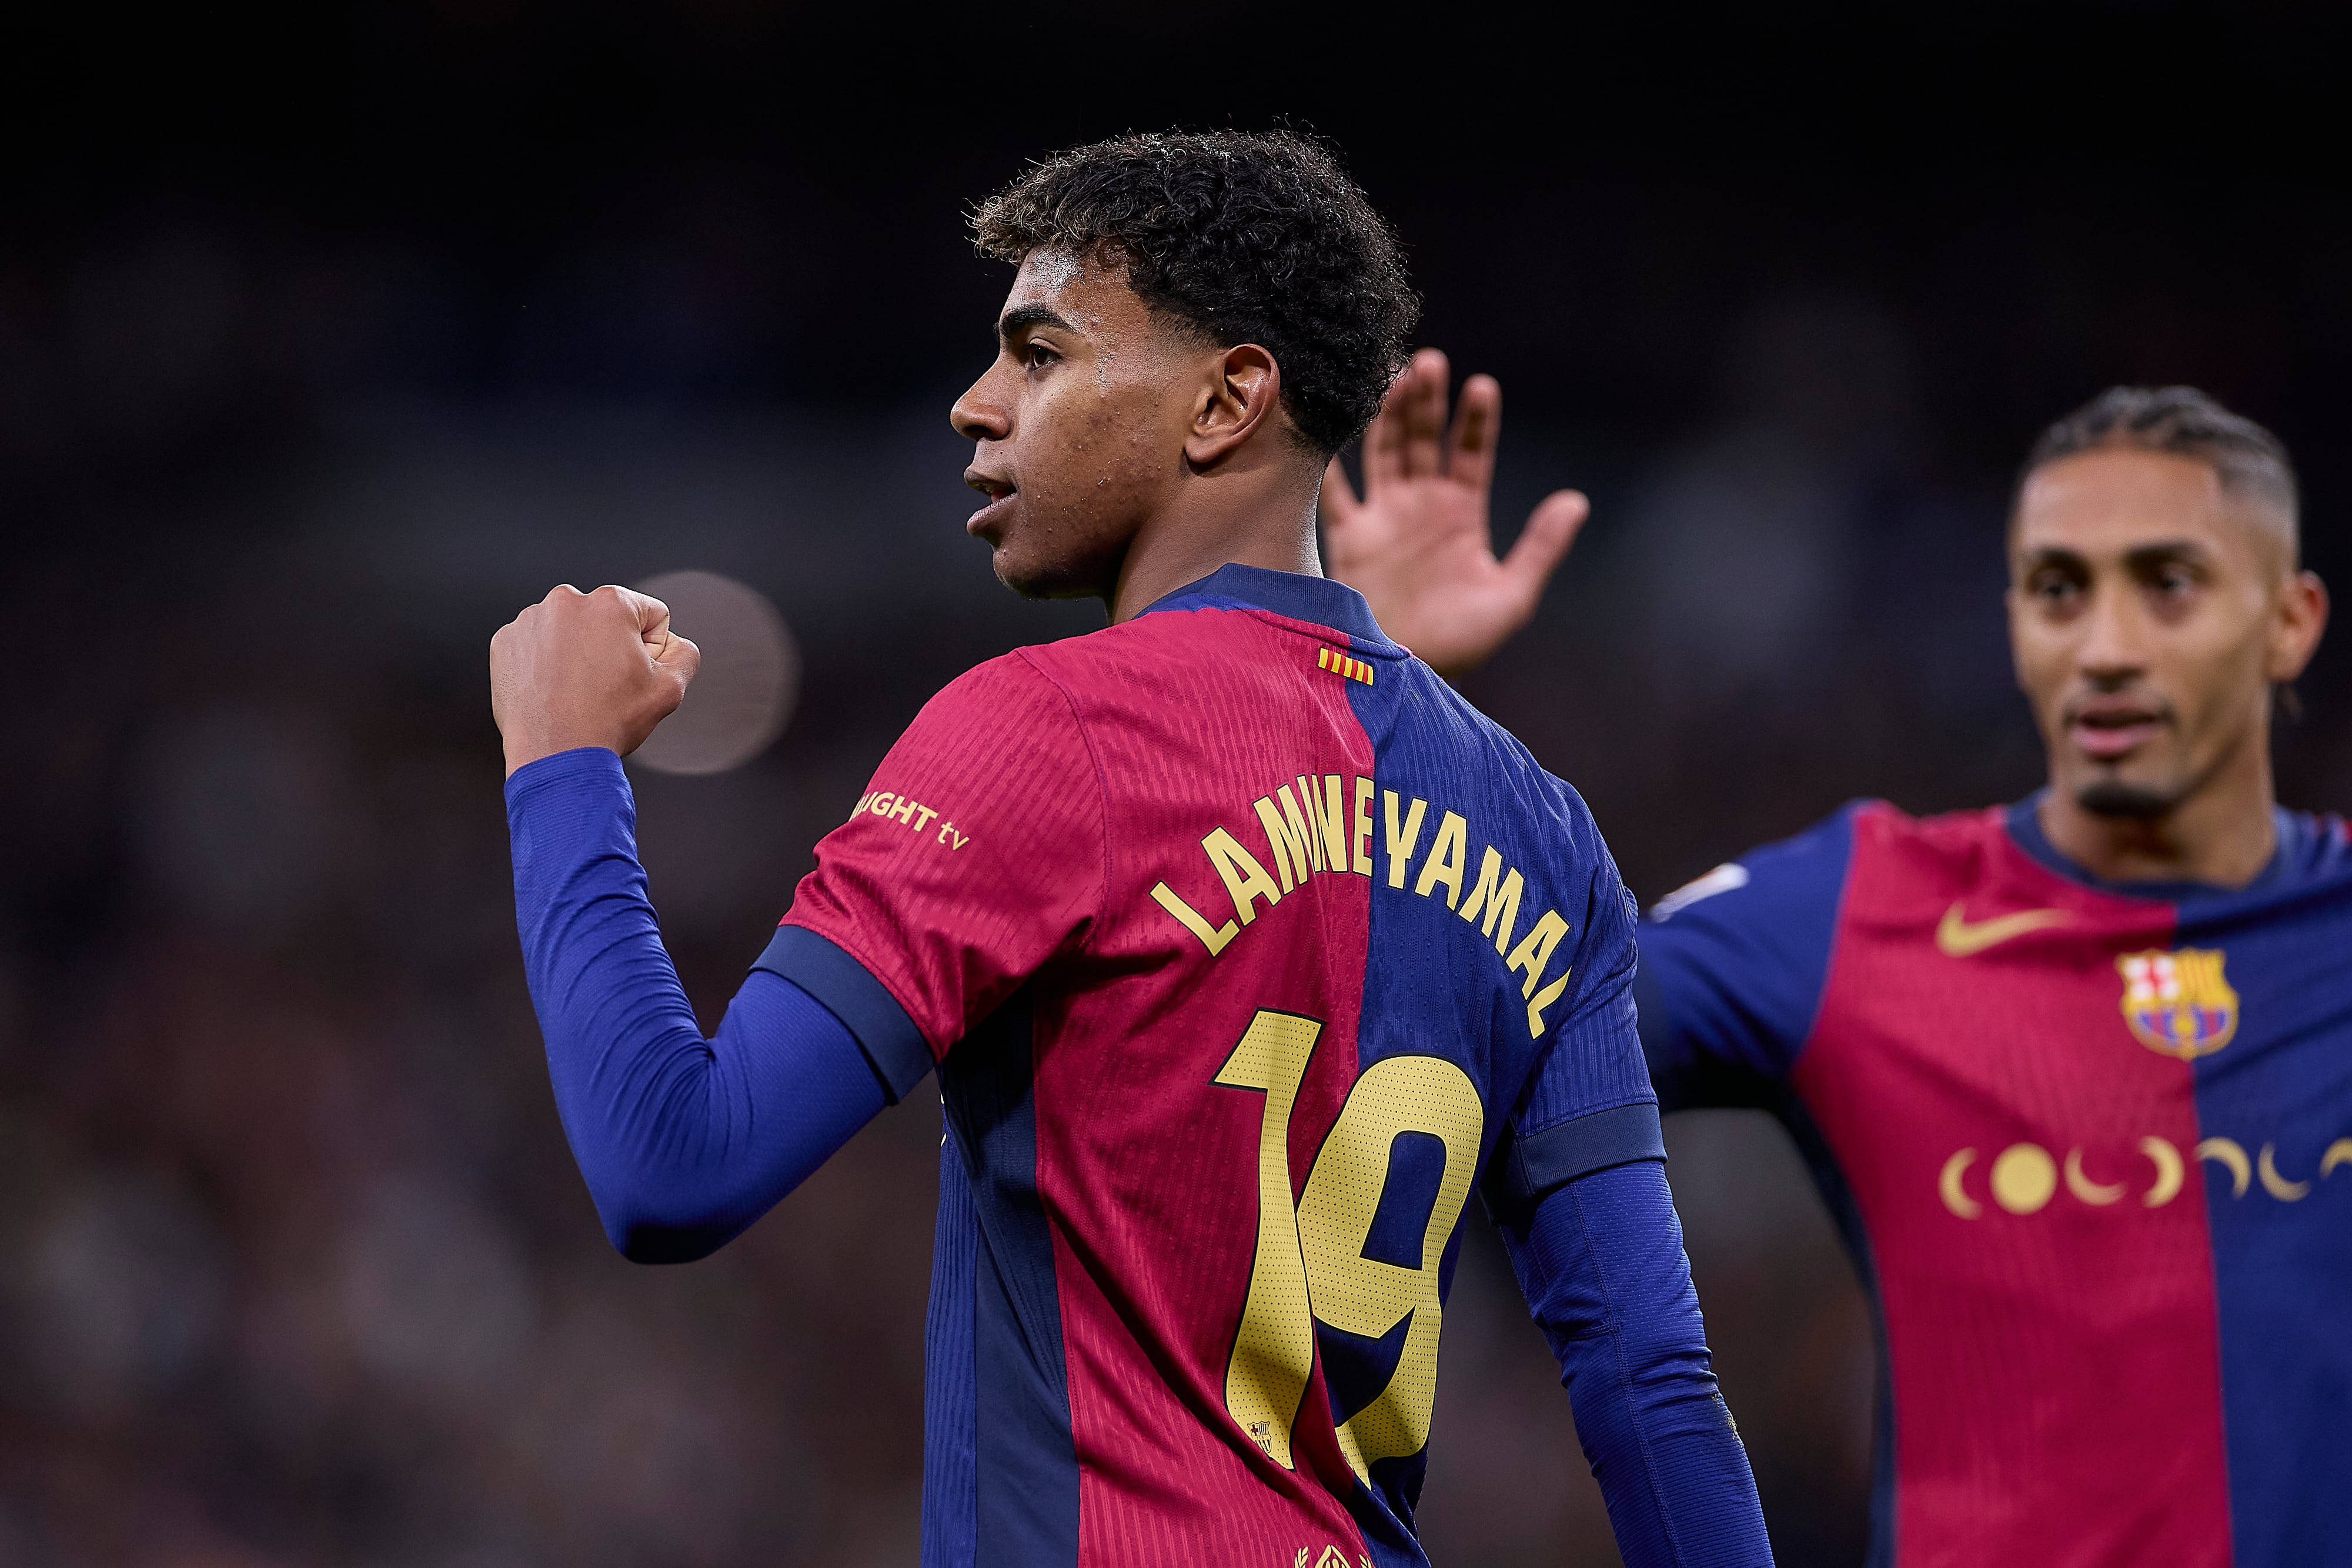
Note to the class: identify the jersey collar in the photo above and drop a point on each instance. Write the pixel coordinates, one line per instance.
(2024, 822)
(1319, 601)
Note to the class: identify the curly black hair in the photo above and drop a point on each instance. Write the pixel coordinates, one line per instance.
(1246, 237)
(2185, 423)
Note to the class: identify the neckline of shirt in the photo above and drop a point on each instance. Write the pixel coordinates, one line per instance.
(2023, 823)
(1317, 601)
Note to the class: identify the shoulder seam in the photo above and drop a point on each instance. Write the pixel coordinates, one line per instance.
(1837, 929)
(1102, 789)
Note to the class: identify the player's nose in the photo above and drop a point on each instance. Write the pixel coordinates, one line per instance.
(2113, 641)
(977, 416)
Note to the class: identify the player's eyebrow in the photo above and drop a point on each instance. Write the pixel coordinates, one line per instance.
(2164, 552)
(1021, 317)
(2053, 555)
(2139, 559)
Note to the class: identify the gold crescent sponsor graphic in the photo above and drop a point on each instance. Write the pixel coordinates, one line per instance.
(2278, 1186)
(2170, 1173)
(2098, 1195)
(1957, 939)
(2024, 1178)
(1948, 1186)
(2227, 1152)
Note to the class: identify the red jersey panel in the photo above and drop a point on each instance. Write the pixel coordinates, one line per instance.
(2080, 1136)
(1239, 940)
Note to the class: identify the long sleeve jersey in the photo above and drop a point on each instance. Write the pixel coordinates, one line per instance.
(1245, 951)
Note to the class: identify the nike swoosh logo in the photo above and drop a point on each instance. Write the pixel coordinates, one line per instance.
(1959, 939)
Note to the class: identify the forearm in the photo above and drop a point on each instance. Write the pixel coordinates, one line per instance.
(1601, 1262)
(683, 1141)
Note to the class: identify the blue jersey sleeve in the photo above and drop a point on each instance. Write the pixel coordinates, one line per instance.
(1589, 1104)
(1577, 1187)
(684, 1140)
(1733, 966)
(1601, 1260)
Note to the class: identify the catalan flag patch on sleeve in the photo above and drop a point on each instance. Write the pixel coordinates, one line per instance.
(1343, 664)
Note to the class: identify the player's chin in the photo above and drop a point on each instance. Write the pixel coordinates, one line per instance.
(2119, 792)
(1035, 576)
(1026, 579)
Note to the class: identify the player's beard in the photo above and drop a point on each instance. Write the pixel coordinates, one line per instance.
(2143, 800)
(2117, 798)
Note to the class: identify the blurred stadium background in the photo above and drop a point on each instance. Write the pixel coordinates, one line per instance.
(327, 343)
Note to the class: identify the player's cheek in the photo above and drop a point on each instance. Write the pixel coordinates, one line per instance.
(2040, 676)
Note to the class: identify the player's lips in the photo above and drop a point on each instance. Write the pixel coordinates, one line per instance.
(2106, 728)
(1000, 493)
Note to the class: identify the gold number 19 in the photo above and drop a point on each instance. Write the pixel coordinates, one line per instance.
(1310, 1261)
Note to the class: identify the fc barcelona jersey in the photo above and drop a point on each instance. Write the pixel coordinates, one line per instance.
(1245, 951)
(2091, 1146)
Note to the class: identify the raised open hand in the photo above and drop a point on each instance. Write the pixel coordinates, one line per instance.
(1419, 546)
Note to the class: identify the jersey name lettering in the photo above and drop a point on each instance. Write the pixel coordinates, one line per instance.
(1316, 830)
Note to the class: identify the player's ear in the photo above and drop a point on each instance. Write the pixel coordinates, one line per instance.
(1242, 394)
(2297, 619)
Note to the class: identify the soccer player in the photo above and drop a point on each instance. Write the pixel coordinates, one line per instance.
(2074, 1074)
(1243, 950)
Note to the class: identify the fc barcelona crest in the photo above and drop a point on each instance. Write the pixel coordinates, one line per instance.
(2179, 1002)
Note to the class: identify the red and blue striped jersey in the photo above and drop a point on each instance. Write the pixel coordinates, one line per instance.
(1245, 950)
(2091, 1146)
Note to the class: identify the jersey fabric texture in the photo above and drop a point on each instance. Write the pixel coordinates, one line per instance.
(1245, 950)
(2091, 1146)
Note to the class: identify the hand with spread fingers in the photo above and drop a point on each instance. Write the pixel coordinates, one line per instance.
(1419, 545)
(586, 669)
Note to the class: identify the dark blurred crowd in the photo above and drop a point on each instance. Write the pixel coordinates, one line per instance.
(294, 1265)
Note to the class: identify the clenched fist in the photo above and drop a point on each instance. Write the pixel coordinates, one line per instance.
(586, 669)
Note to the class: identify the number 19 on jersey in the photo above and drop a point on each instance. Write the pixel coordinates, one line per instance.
(1310, 1263)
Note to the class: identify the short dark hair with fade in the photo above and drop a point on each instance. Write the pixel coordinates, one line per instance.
(2185, 423)
(1246, 237)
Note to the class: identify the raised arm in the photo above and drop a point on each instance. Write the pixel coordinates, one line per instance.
(684, 1140)
(1418, 544)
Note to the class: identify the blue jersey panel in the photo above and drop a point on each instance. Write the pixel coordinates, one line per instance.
(1456, 792)
(1023, 1508)
(1733, 966)
(950, 1391)
(2280, 1090)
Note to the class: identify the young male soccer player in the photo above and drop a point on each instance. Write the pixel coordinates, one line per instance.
(2074, 1074)
(1243, 950)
